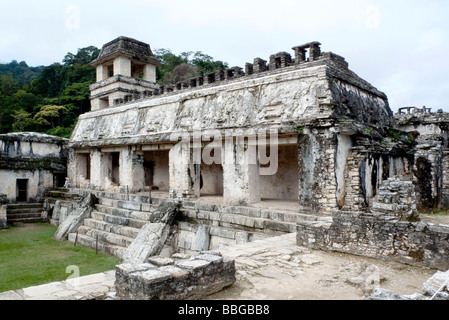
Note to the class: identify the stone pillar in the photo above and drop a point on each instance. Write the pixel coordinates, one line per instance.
(184, 173)
(102, 72)
(315, 51)
(149, 73)
(132, 174)
(300, 54)
(354, 193)
(96, 169)
(122, 66)
(259, 65)
(105, 170)
(317, 180)
(249, 70)
(3, 217)
(241, 177)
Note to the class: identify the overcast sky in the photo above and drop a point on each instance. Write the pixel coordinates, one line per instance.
(399, 46)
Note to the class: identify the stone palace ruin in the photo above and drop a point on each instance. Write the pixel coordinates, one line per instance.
(296, 144)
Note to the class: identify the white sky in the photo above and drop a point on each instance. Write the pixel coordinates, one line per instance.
(399, 46)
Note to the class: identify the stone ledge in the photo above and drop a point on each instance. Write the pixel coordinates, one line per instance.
(176, 278)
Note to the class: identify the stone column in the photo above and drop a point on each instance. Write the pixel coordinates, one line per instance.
(132, 174)
(317, 179)
(102, 72)
(149, 73)
(122, 66)
(105, 170)
(241, 177)
(184, 173)
(96, 169)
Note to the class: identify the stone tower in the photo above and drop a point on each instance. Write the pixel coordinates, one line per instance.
(125, 67)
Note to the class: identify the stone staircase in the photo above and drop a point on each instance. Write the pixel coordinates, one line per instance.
(237, 224)
(24, 213)
(117, 219)
(115, 223)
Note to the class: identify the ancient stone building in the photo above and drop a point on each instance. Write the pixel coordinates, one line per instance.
(283, 130)
(30, 165)
(302, 130)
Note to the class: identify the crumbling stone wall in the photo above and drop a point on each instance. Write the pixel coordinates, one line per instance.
(396, 197)
(391, 230)
(379, 236)
(430, 129)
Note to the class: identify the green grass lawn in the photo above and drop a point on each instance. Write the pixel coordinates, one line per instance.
(30, 256)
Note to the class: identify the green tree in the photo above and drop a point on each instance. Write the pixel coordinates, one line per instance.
(78, 95)
(23, 120)
(8, 85)
(187, 64)
(49, 82)
(83, 57)
(50, 116)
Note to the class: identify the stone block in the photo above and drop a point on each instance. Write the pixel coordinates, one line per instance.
(193, 278)
(129, 205)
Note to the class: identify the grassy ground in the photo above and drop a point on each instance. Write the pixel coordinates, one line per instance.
(30, 256)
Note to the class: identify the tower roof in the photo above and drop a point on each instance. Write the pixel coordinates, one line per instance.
(134, 49)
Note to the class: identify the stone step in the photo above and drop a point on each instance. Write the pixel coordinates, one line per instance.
(277, 215)
(62, 201)
(238, 221)
(87, 241)
(112, 228)
(106, 237)
(134, 223)
(62, 194)
(20, 215)
(126, 205)
(139, 215)
(24, 220)
(24, 206)
(24, 210)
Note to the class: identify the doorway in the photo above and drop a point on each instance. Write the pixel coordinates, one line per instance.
(22, 190)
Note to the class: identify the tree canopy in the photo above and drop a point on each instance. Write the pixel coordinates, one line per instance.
(49, 99)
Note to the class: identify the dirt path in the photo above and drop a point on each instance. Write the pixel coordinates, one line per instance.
(278, 269)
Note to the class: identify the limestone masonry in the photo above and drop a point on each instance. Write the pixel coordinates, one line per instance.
(297, 143)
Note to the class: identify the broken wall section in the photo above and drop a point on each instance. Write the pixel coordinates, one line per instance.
(379, 236)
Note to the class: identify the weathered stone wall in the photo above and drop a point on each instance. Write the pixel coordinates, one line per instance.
(30, 156)
(379, 236)
(430, 129)
(396, 197)
(39, 181)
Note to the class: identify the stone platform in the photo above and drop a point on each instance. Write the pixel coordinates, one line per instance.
(181, 277)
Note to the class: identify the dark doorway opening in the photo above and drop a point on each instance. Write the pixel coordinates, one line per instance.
(115, 176)
(22, 190)
(59, 180)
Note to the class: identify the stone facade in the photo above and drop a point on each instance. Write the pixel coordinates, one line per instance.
(312, 109)
(304, 129)
(31, 164)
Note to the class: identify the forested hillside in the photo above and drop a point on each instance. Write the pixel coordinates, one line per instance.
(49, 99)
